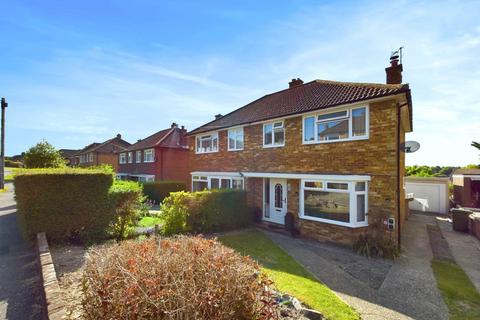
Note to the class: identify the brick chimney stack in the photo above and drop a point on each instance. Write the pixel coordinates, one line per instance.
(295, 83)
(218, 116)
(394, 72)
(174, 125)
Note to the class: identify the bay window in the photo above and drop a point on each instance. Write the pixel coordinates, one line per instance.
(235, 139)
(207, 143)
(350, 124)
(337, 202)
(148, 155)
(274, 134)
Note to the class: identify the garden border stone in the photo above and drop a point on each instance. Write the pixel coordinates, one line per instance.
(53, 304)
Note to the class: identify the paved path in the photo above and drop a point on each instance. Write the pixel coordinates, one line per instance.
(376, 288)
(19, 278)
(465, 249)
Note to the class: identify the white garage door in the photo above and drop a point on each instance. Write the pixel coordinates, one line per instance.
(428, 197)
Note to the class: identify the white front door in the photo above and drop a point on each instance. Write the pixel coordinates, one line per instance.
(278, 201)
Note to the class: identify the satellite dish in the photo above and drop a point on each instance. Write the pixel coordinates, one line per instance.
(409, 146)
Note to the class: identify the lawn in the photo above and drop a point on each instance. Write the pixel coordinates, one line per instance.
(149, 221)
(288, 275)
(457, 290)
(9, 177)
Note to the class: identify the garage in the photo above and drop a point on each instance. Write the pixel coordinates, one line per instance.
(429, 194)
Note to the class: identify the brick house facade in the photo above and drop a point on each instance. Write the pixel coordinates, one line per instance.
(159, 157)
(104, 153)
(327, 152)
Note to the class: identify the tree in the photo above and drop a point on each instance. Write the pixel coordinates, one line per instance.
(43, 155)
(476, 145)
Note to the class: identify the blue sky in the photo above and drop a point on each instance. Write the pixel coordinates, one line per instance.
(75, 72)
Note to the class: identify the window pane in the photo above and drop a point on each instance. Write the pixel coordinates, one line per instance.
(332, 115)
(214, 144)
(266, 194)
(360, 207)
(327, 205)
(239, 141)
(314, 184)
(337, 185)
(268, 134)
(199, 185)
(309, 129)
(237, 184)
(360, 186)
(333, 130)
(278, 196)
(278, 136)
(214, 183)
(225, 183)
(278, 125)
(359, 122)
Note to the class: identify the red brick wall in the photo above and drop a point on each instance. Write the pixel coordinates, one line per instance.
(376, 157)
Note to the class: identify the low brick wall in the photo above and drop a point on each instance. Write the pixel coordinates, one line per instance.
(53, 305)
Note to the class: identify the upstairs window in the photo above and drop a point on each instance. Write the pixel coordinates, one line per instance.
(350, 124)
(122, 158)
(274, 134)
(235, 139)
(138, 156)
(130, 157)
(148, 155)
(207, 143)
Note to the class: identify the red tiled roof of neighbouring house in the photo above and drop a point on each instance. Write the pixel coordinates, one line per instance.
(111, 145)
(314, 95)
(169, 138)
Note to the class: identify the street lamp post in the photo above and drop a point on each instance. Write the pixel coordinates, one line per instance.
(4, 105)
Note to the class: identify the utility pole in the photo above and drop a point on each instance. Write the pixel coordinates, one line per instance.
(4, 105)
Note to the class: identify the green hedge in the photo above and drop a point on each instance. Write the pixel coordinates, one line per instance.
(159, 190)
(205, 211)
(13, 164)
(68, 204)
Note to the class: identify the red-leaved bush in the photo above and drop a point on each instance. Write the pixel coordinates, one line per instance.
(174, 278)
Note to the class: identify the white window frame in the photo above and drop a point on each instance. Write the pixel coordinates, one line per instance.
(236, 131)
(212, 136)
(350, 124)
(130, 157)
(273, 145)
(122, 158)
(151, 152)
(208, 179)
(90, 157)
(352, 202)
(138, 156)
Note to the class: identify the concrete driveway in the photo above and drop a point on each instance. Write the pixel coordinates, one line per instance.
(377, 288)
(19, 277)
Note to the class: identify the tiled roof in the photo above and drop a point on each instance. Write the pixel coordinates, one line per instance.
(168, 138)
(111, 145)
(467, 171)
(314, 95)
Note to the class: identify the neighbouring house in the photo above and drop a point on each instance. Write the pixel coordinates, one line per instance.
(96, 154)
(161, 156)
(328, 152)
(69, 156)
(466, 187)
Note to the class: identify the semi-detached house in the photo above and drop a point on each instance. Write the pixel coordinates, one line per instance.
(327, 152)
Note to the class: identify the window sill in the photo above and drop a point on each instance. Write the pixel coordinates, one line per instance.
(149, 161)
(273, 146)
(235, 149)
(333, 141)
(206, 152)
(338, 223)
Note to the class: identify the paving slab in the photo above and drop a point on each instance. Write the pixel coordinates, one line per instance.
(376, 288)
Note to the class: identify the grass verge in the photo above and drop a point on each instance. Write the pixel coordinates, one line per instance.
(288, 275)
(457, 290)
(149, 221)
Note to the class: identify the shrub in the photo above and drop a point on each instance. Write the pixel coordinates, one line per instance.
(13, 164)
(67, 204)
(175, 278)
(376, 246)
(127, 198)
(205, 211)
(43, 155)
(159, 190)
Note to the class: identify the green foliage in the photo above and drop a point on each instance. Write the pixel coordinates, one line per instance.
(43, 155)
(476, 144)
(68, 204)
(288, 275)
(205, 211)
(127, 199)
(427, 171)
(159, 190)
(13, 164)
(376, 246)
(457, 290)
(472, 166)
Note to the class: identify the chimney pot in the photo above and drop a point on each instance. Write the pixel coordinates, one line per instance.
(183, 127)
(174, 125)
(218, 116)
(119, 136)
(295, 83)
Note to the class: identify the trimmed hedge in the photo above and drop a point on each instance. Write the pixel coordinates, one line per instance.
(68, 204)
(159, 190)
(205, 211)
